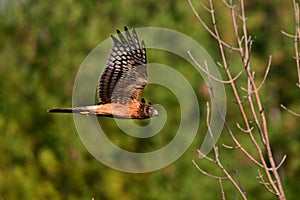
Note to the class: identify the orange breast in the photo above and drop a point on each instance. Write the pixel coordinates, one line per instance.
(118, 110)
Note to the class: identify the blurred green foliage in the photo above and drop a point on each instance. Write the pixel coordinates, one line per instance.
(42, 44)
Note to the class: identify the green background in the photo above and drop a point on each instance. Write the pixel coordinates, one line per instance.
(43, 43)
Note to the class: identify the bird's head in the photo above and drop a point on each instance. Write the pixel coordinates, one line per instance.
(149, 109)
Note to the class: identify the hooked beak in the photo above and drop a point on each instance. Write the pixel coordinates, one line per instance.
(155, 113)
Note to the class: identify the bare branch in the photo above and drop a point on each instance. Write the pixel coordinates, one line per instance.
(206, 173)
(265, 135)
(208, 29)
(205, 8)
(264, 78)
(222, 189)
(205, 156)
(244, 47)
(229, 130)
(208, 74)
(230, 147)
(229, 5)
(296, 39)
(289, 35)
(289, 110)
(235, 172)
(266, 73)
(217, 156)
(243, 130)
(265, 184)
(281, 162)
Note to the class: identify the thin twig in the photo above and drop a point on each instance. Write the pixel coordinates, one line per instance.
(205, 156)
(229, 5)
(240, 190)
(254, 113)
(281, 162)
(228, 128)
(222, 189)
(208, 74)
(230, 147)
(205, 7)
(246, 56)
(208, 29)
(265, 184)
(296, 39)
(206, 173)
(243, 130)
(233, 86)
(289, 110)
(266, 73)
(235, 172)
(289, 35)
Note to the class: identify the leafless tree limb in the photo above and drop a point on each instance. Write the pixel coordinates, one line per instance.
(256, 113)
(207, 28)
(218, 162)
(289, 35)
(208, 74)
(289, 110)
(265, 184)
(297, 33)
(243, 130)
(296, 37)
(281, 162)
(230, 147)
(206, 173)
(266, 73)
(222, 189)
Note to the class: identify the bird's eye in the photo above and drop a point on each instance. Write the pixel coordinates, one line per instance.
(146, 109)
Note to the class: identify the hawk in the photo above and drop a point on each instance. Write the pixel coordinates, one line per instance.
(121, 84)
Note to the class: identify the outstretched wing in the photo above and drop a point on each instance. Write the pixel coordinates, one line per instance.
(125, 74)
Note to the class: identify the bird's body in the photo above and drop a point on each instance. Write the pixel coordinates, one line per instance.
(122, 82)
(116, 110)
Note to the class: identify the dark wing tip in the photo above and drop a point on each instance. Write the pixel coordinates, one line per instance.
(116, 41)
(124, 45)
(143, 44)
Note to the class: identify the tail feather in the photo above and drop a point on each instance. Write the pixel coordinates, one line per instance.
(81, 110)
(61, 110)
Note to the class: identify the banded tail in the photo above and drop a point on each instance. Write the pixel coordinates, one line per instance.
(84, 110)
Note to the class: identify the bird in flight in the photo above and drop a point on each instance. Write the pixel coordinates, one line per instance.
(121, 84)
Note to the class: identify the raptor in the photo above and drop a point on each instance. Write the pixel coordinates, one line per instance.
(121, 84)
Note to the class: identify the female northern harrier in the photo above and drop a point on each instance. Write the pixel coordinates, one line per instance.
(122, 82)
